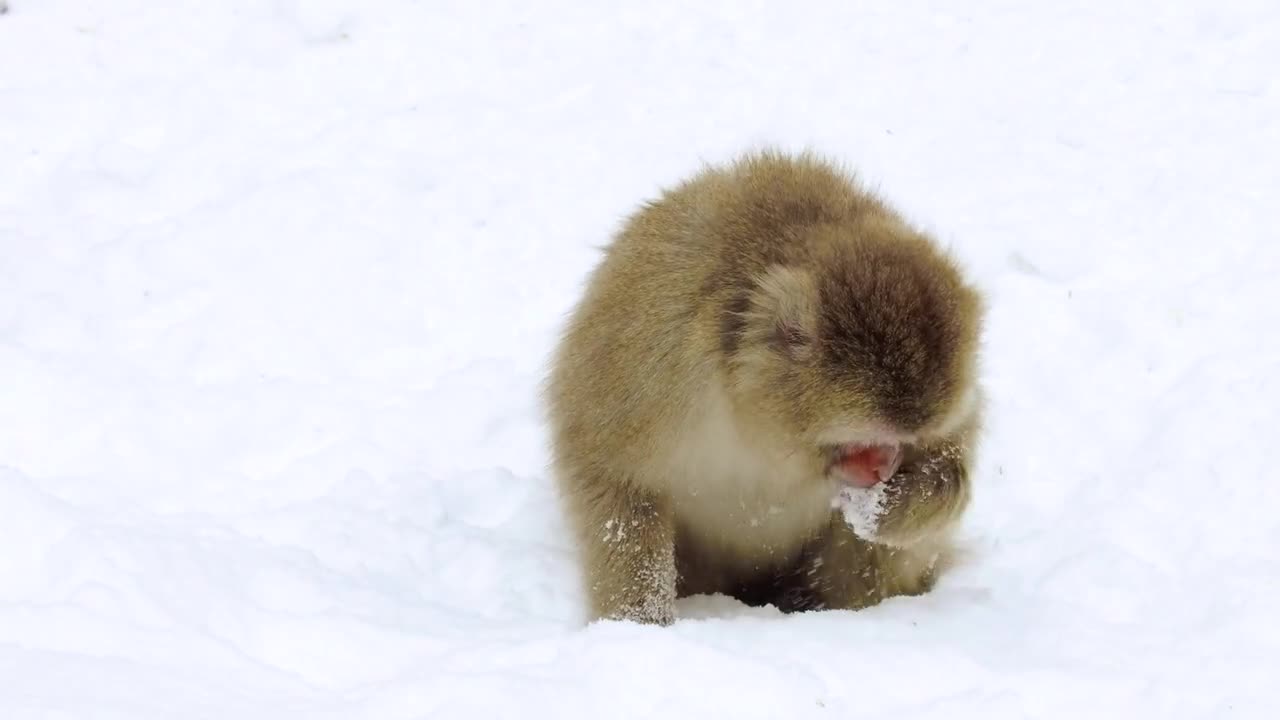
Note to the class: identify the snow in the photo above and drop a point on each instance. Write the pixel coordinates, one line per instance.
(278, 281)
(861, 508)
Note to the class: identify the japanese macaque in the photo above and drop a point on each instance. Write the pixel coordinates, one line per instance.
(768, 390)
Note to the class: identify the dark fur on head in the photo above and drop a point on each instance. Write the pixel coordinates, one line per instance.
(862, 318)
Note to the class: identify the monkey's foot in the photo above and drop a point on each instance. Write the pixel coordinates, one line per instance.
(655, 612)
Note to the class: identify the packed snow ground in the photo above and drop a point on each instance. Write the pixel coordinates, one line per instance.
(278, 281)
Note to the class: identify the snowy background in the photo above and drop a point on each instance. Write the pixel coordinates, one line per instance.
(278, 279)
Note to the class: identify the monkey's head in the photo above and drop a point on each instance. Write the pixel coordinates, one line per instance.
(866, 342)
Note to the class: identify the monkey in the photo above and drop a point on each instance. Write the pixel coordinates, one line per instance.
(757, 341)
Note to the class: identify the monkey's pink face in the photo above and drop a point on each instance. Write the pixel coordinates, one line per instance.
(862, 465)
(863, 453)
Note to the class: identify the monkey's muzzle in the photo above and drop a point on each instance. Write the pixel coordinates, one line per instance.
(865, 466)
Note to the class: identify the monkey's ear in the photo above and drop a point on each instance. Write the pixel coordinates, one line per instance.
(789, 300)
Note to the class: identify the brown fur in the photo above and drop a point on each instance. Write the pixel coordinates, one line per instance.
(738, 330)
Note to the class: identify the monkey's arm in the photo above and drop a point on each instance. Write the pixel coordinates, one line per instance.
(927, 495)
(628, 536)
(921, 503)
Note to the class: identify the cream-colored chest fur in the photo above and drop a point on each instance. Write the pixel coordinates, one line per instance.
(749, 500)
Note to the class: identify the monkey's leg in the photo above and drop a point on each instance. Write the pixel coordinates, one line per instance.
(627, 538)
(841, 571)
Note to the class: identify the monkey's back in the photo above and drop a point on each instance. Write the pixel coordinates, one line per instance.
(633, 355)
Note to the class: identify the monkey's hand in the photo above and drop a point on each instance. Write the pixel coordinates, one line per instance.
(639, 581)
(923, 498)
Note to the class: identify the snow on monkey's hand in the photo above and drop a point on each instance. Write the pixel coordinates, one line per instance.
(862, 509)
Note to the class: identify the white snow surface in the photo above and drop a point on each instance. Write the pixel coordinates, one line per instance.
(279, 279)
